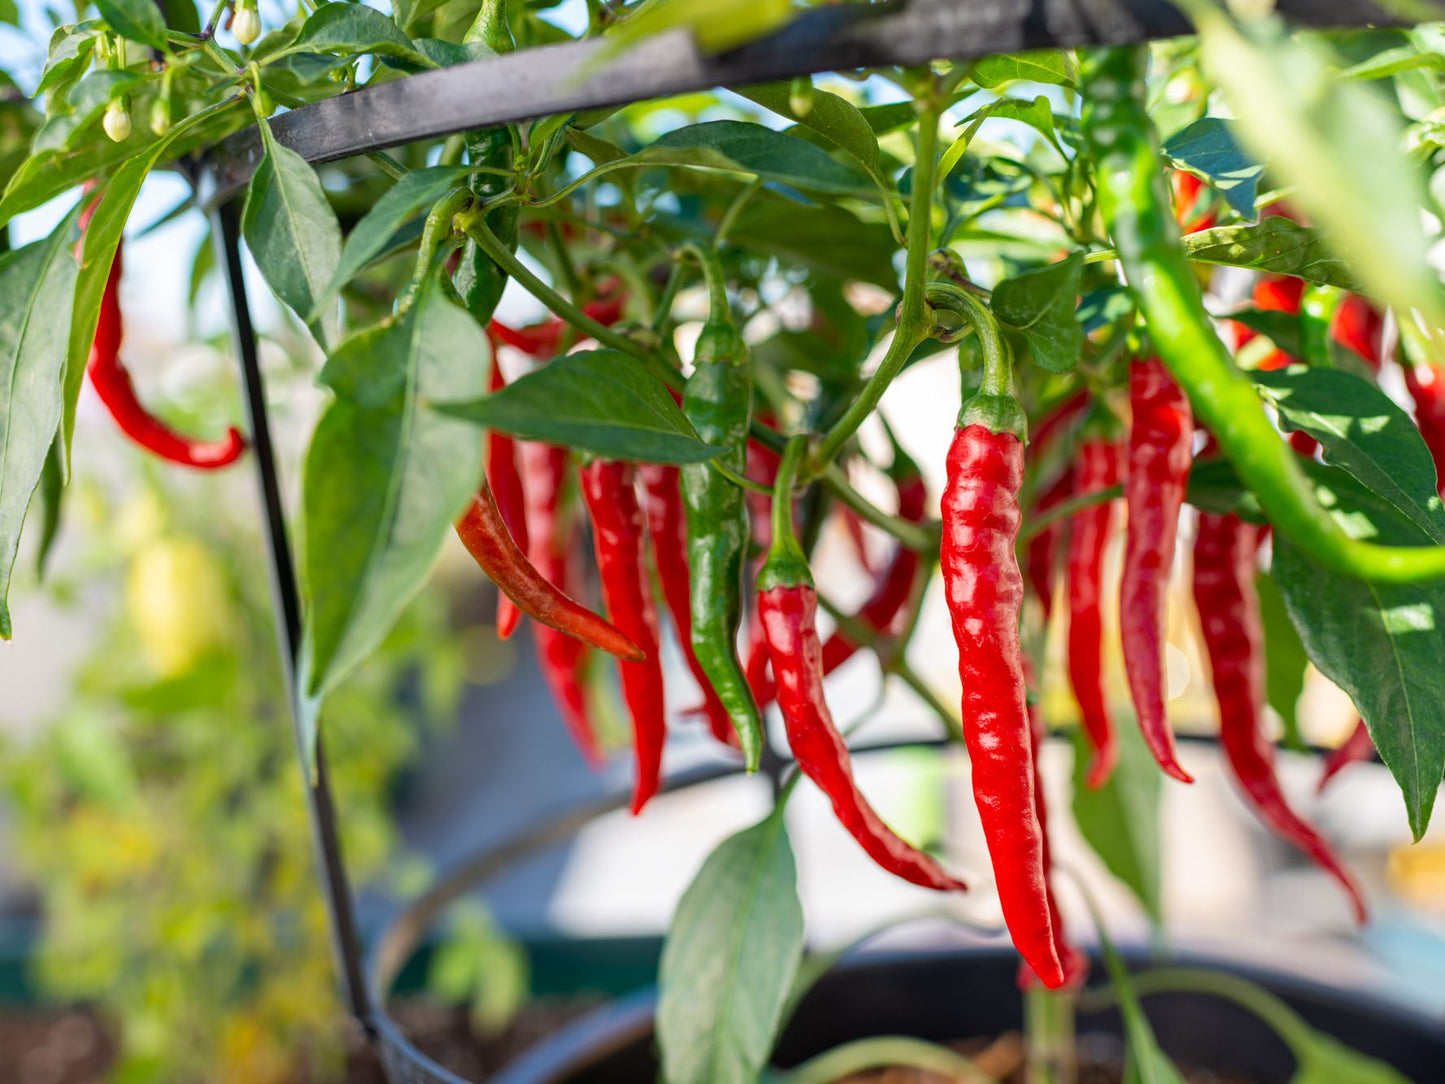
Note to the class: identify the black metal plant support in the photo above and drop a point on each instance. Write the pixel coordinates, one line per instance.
(536, 83)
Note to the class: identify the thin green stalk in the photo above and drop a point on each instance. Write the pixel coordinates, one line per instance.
(389, 165)
(473, 225)
(914, 320)
(913, 535)
(713, 275)
(566, 271)
(1067, 508)
(734, 209)
(1049, 1036)
(886, 1051)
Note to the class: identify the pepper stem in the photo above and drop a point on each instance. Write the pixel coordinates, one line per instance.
(995, 404)
(719, 309)
(787, 565)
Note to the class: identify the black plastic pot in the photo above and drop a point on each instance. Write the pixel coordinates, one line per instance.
(949, 996)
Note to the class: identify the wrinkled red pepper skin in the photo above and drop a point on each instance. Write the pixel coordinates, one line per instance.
(1089, 533)
(1224, 593)
(619, 543)
(790, 630)
(562, 659)
(1161, 438)
(1359, 746)
(984, 589)
(506, 484)
(894, 584)
(112, 383)
(667, 529)
(1426, 385)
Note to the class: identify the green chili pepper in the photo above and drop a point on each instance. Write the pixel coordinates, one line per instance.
(478, 279)
(1134, 202)
(718, 403)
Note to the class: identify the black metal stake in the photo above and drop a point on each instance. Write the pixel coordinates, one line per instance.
(225, 225)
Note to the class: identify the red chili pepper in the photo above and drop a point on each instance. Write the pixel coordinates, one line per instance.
(1075, 963)
(1224, 571)
(542, 339)
(618, 540)
(985, 589)
(486, 537)
(762, 468)
(1357, 747)
(113, 385)
(1426, 384)
(894, 584)
(1040, 552)
(1359, 326)
(1188, 190)
(857, 536)
(1089, 530)
(788, 604)
(667, 528)
(562, 659)
(1161, 438)
(1277, 293)
(506, 483)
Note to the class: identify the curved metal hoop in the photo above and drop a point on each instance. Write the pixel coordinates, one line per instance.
(566, 78)
(535, 83)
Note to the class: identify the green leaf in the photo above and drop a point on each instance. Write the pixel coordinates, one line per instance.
(290, 228)
(342, 29)
(1046, 66)
(37, 283)
(68, 56)
(599, 401)
(729, 960)
(87, 103)
(1041, 305)
(1144, 1061)
(1207, 149)
(1326, 1060)
(372, 236)
(1275, 244)
(833, 117)
(1381, 644)
(1393, 62)
(1285, 660)
(384, 477)
(1364, 431)
(1281, 328)
(1120, 820)
(827, 239)
(138, 20)
(1335, 143)
(715, 26)
(750, 148)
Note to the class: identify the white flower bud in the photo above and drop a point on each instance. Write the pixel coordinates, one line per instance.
(246, 25)
(116, 121)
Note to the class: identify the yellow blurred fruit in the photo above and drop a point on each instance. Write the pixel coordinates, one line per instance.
(177, 602)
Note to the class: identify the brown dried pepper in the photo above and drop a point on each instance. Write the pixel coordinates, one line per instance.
(1161, 438)
(618, 538)
(1224, 592)
(788, 605)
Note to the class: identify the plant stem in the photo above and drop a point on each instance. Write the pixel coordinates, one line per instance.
(1066, 509)
(471, 223)
(916, 536)
(914, 321)
(887, 1051)
(389, 165)
(734, 209)
(1049, 1036)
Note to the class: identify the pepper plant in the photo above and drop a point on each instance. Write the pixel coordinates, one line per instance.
(1191, 274)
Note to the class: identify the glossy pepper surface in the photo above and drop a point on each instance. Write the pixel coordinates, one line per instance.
(619, 542)
(718, 403)
(1089, 533)
(1133, 201)
(788, 607)
(487, 539)
(555, 549)
(1224, 592)
(113, 386)
(505, 481)
(1161, 438)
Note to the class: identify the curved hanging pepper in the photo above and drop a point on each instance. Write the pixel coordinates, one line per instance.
(1224, 570)
(762, 468)
(484, 533)
(1357, 747)
(618, 540)
(1134, 204)
(894, 584)
(1161, 438)
(667, 529)
(506, 484)
(788, 605)
(113, 385)
(1089, 531)
(718, 403)
(562, 659)
(985, 589)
